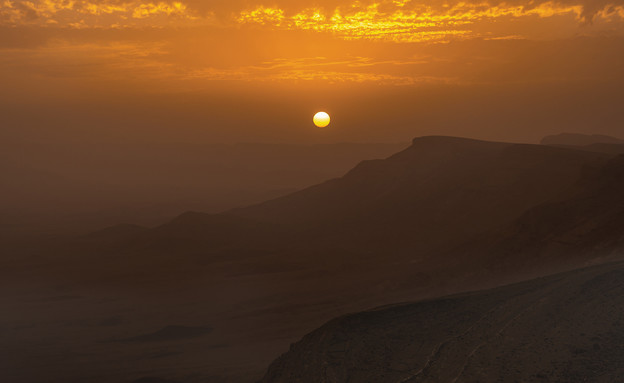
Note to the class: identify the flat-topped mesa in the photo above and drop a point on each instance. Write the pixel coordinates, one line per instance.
(424, 153)
(434, 192)
(454, 143)
(448, 140)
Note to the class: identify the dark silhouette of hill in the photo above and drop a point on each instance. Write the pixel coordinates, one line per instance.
(439, 192)
(593, 143)
(564, 328)
(422, 208)
(436, 195)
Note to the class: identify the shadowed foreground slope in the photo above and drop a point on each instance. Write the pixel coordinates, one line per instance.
(565, 328)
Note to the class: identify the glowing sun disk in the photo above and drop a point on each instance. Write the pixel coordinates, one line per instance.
(321, 119)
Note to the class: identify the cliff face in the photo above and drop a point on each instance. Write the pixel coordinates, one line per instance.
(565, 328)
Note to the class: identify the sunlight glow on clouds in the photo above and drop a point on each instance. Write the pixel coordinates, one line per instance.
(377, 41)
(417, 24)
(92, 14)
(397, 20)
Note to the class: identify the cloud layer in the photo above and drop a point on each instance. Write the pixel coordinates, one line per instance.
(347, 18)
(191, 44)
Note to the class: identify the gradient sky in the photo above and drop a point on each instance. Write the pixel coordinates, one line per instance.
(82, 72)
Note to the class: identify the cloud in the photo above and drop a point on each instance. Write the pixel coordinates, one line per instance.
(399, 23)
(392, 19)
(98, 14)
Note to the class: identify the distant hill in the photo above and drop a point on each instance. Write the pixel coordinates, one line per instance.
(564, 328)
(439, 192)
(81, 188)
(426, 207)
(575, 139)
(591, 143)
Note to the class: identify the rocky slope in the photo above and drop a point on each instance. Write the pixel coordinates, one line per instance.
(564, 328)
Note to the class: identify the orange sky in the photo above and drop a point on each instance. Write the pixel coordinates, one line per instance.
(245, 70)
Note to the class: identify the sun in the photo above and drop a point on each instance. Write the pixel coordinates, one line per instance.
(321, 119)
